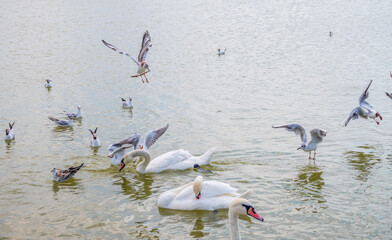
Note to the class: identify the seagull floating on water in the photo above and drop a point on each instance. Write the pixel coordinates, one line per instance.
(316, 134)
(9, 132)
(76, 115)
(48, 83)
(64, 174)
(221, 52)
(94, 139)
(62, 123)
(127, 104)
(141, 60)
(116, 150)
(365, 110)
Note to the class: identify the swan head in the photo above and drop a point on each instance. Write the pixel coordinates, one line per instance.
(242, 206)
(197, 186)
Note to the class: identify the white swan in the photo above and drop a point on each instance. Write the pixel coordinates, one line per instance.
(178, 159)
(208, 195)
(240, 206)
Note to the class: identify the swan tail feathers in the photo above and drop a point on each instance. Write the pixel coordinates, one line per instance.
(206, 157)
(245, 194)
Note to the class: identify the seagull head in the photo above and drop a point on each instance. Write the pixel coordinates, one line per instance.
(302, 146)
(7, 131)
(53, 170)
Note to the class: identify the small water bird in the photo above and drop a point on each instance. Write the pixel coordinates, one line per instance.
(317, 136)
(116, 150)
(76, 115)
(200, 195)
(365, 110)
(65, 174)
(221, 52)
(240, 206)
(9, 132)
(143, 67)
(48, 83)
(127, 104)
(94, 139)
(62, 123)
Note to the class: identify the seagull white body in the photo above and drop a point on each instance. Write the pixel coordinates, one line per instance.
(76, 115)
(307, 145)
(65, 174)
(9, 132)
(365, 110)
(94, 138)
(116, 150)
(199, 195)
(48, 83)
(127, 104)
(62, 123)
(174, 160)
(143, 67)
(221, 52)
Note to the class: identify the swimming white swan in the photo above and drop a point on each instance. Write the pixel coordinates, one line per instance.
(240, 206)
(177, 159)
(208, 195)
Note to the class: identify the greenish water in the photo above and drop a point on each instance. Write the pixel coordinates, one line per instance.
(281, 66)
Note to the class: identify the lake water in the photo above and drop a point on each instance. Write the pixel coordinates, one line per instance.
(281, 66)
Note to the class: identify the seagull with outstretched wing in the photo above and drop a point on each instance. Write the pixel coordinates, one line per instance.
(143, 67)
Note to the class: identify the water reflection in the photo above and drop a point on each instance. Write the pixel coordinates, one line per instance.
(125, 109)
(362, 162)
(9, 146)
(142, 232)
(71, 184)
(139, 188)
(309, 183)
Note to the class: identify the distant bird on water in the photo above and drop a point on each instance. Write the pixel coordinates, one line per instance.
(316, 134)
(94, 138)
(143, 67)
(48, 83)
(365, 110)
(9, 132)
(76, 115)
(65, 174)
(127, 104)
(62, 123)
(221, 52)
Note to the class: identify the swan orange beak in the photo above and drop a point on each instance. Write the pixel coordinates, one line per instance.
(198, 196)
(252, 212)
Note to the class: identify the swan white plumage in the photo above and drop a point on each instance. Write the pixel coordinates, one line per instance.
(240, 206)
(177, 159)
(200, 195)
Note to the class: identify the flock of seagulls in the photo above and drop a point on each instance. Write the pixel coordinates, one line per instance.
(198, 194)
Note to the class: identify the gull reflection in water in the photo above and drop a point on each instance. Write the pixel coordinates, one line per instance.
(309, 185)
(362, 161)
(71, 185)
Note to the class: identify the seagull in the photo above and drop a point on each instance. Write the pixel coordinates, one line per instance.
(365, 110)
(116, 150)
(94, 139)
(141, 59)
(316, 134)
(127, 104)
(76, 115)
(389, 94)
(62, 123)
(9, 132)
(48, 83)
(221, 52)
(65, 174)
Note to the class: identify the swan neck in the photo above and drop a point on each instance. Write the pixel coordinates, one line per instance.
(146, 157)
(233, 221)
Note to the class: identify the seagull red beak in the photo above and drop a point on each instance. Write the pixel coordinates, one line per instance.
(299, 148)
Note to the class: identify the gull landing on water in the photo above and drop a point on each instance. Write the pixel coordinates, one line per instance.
(64, 174)
(48, 83)
(365, 110)
(143, 67)
(127, 104)
(94, 139)
(317, 136)
(221, 52)
(9, 132)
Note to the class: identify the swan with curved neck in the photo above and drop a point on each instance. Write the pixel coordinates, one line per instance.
(177, 159)
(200, 195)
(240, 206)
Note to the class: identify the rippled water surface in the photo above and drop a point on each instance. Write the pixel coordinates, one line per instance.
(281, 66)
